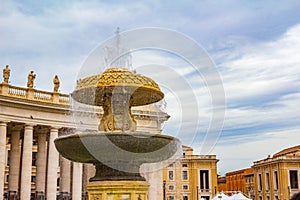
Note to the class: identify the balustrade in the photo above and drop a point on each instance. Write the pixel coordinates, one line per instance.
(38, 95)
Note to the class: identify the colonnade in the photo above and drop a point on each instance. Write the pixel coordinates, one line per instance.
(21, 178)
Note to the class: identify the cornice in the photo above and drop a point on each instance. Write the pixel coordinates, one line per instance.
(33, 105)
(276, 161)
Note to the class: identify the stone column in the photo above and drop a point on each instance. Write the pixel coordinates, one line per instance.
(3, 132)
(154, 174)
(88, 172)
(53, 157)
(14, 165)
(85, 178)
(65, 176)
(41, 162)
(77, 181)
(26, 163)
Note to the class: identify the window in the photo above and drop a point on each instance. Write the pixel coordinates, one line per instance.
(275, 180)
(34, 141)
(184, 175)
(34, 158)
(171, 197)
(171, 175)
(171, 187)
(184, 165)
(294, 179)
(259, 182)
(267, 181)
(185, 198)
(205, 197)
(204, 179)
(33, 178)
(185, 187)
(8, 158)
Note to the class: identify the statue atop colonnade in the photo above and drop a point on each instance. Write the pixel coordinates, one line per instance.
(6, 74)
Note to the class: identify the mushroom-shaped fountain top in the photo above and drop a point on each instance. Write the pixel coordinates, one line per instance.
(142, 90)
(116, 90)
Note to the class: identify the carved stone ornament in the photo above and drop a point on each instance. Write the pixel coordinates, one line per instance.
(30, 79)
(96, 197)
(6, 74)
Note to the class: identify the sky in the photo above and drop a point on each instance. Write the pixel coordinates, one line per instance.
(254, 46)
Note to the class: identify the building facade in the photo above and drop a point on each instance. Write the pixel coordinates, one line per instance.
(222, 184)
(249, 183)
(239, 180)
(30, 120)
(277, 177)
(192, 177)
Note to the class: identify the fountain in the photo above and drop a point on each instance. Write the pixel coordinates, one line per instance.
(116, 149)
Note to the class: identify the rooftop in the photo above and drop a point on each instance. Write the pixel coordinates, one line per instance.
(287, 151)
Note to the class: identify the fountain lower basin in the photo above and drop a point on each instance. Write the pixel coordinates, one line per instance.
(117, 155)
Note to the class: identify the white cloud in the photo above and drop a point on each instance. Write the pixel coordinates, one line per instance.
(57, 39)
(262, 91)
(262, 78)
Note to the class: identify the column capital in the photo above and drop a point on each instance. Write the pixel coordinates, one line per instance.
(17, 128)
(43, 130)
(29, 126)
(54, 128)
(3, 122)
(66, 131)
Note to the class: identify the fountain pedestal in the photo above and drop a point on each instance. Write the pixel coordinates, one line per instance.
(118, 190)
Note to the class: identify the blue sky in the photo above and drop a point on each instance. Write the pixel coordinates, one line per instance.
(254, 44)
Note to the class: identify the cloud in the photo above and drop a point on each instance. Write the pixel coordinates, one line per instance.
(262, 93)
(49, 36)
(57, 38)
(264, 82)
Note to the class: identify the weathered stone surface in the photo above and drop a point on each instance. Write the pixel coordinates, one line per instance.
(119, 153)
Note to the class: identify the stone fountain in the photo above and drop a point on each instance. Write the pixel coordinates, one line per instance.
(116, 149)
